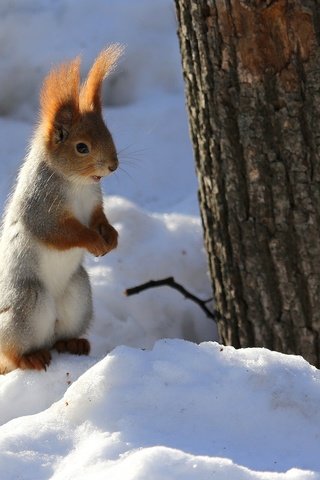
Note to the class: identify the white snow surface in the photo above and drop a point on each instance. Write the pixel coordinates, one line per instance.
(157, 398)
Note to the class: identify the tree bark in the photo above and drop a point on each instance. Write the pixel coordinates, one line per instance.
(252, 77)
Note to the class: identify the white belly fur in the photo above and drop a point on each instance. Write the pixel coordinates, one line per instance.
(56, 267)
(83, 200)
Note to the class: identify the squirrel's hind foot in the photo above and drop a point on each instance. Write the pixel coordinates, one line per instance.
(38, 360)
(76, 346)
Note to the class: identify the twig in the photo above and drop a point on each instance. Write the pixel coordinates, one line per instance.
(170, 282)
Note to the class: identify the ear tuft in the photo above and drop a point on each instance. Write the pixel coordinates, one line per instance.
(59, 98)
(90, 94)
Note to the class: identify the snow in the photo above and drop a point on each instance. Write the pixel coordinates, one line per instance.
(180, 410)
(157, 398)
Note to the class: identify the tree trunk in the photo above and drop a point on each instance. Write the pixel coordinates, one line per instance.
(252, 77)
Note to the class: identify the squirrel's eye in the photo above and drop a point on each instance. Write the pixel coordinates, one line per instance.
(82, 148)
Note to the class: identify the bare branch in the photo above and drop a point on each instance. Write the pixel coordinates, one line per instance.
(170, 282)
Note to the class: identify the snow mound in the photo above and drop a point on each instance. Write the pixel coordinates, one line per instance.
(180, 411)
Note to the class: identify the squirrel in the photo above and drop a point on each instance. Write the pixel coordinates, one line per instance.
(55, 214)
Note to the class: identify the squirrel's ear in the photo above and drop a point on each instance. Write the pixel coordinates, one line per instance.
(90, 94)
(59, 100)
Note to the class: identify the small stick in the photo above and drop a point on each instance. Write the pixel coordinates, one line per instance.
(170, 282)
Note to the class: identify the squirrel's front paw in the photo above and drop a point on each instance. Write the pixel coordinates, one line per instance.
(110, 235)
(98, 247)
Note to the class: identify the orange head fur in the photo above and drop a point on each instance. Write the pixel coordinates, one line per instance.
(90, 95)
(59, 98)
(71, 115)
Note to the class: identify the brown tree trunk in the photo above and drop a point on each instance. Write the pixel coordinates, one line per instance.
(252, 76)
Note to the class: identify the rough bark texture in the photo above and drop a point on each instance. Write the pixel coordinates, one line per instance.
(252, 75)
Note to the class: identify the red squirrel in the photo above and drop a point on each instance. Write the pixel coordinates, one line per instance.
(53, 217)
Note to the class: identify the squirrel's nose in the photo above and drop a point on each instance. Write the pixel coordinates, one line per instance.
(114, 165)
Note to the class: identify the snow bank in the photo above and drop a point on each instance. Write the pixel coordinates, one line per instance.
(180, 411)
